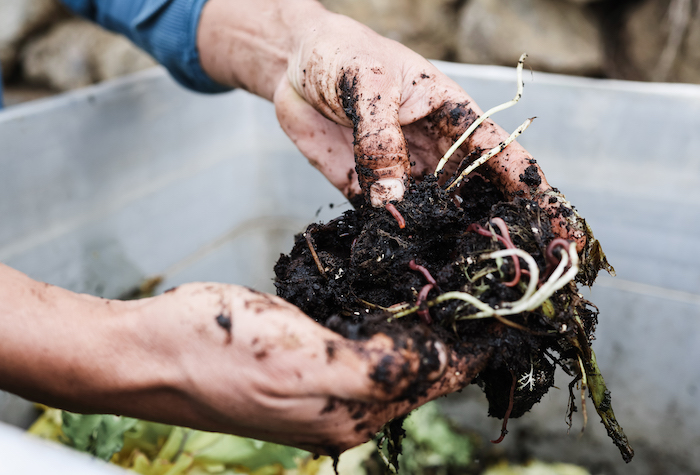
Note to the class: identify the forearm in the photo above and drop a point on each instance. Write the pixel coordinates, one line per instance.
(71, 350)
(248, 44)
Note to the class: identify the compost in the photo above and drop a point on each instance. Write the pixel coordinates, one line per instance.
(391, 270)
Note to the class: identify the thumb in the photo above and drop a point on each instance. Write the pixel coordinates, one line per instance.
(381, 152)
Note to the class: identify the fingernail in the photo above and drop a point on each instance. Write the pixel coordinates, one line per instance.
(441, 351)
(385, 190)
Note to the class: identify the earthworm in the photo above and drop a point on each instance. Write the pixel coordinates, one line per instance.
(426, 273)
(503, 238)
(504, 429)
(424, 313)
(395, 213)
(550, 258)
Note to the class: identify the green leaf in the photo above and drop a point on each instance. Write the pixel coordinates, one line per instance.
(233, 450)
(432, 441)
(96, 434)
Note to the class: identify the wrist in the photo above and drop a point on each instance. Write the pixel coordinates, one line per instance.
(249, 44)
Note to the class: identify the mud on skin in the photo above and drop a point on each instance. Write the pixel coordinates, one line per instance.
(378, 152)
(367, 259)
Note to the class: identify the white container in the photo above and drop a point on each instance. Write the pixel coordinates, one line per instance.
(107, 186)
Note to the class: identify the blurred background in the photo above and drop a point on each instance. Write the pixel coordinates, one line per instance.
(43, 48)
(134, 185)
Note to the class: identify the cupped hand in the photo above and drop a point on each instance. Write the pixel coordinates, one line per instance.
(254, 365)
(217, 357)
(362, 107)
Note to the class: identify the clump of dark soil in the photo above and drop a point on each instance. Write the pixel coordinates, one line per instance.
(353, 272)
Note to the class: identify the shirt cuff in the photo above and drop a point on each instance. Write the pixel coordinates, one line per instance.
(167, 29)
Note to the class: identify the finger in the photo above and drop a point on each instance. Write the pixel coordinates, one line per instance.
(463, 365)
(514, 171)
(297, 357)
(362, 420)
(565, 222)
(324, 143)
(371, 100)
(382, 368)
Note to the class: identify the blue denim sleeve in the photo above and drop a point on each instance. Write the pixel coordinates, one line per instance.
(167, 29)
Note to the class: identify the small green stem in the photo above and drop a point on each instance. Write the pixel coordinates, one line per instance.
(600, 394)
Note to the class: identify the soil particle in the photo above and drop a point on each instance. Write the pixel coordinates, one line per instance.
(383, 373)
(452, 119)
(531, 176)
(330, 351)
(332, 404)
(226, 323)
(347, 90)
(360, 426)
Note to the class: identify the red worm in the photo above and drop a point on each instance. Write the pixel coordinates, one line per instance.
(509, 244)
(552, 260)
(395, 213)
(424, 313)
(504, 239)
(504, 429)
(426, 273)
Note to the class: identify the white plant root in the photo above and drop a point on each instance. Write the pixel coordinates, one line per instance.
(485, 116)
(490, 154)
(531, 299)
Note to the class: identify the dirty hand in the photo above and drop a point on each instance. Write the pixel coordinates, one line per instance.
(255, 365)
(215, 357)
(355, 102)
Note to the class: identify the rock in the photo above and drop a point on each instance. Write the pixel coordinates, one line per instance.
(18, 19)
(118, 57)
(427, 27)
(661, 39)
(558, 36)
(75, 53)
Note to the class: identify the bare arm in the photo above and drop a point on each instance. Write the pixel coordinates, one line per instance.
(210, 356)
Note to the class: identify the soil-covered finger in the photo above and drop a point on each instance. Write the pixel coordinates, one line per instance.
(381, 153)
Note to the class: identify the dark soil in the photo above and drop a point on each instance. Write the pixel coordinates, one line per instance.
(363, 269)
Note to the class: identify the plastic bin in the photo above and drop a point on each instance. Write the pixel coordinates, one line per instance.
(110, 185)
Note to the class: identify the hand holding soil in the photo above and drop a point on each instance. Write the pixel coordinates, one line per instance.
(366, 111)
(369, 114)
(215, 357)
(255, 365)
(404, 307)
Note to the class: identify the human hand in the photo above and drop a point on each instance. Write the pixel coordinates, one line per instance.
(216, 357)
(358, 102)
(353, 101)
(255, 365)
